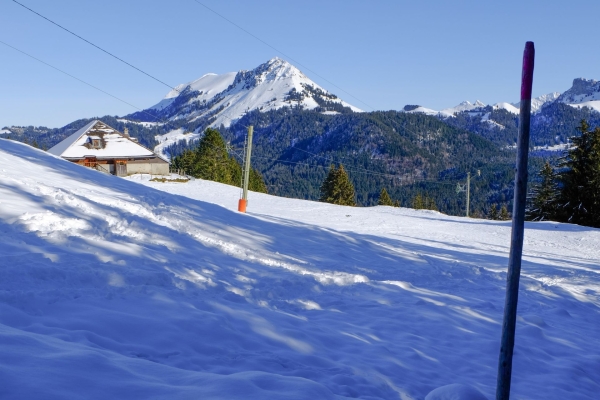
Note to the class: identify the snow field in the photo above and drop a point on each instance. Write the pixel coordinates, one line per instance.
(114, 289)
(170, 138)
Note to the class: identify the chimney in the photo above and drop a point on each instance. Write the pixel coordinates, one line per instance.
(126, 132)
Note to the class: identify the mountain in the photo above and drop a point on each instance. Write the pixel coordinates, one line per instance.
(555, 116)
(583, 93)
(221, 99)
(300, 129)
(538, 102)
(466, 106)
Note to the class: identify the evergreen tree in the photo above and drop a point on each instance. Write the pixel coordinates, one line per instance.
(418, 203)
(477, 214)
(493, 214)
(429, 203)
(327, 185)
(424, 202)
(185, 161)
(504, 214)
(337, 188)
(397, 203)
(256, 182)
(542, 201)
(579, 199)
(384, 198)
(211, 161)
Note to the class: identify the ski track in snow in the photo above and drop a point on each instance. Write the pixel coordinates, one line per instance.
(126, 288)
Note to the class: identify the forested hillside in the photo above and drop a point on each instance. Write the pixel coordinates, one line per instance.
(407, 154)
(554, 124)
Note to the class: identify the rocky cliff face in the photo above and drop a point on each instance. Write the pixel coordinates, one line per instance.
(583, 90)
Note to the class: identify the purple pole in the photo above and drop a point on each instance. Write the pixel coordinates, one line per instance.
(518, 226)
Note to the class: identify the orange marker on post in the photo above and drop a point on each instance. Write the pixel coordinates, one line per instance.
(243, 203)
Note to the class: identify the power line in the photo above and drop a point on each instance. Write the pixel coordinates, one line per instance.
(80, 80)
(282, 53)
(98, 47)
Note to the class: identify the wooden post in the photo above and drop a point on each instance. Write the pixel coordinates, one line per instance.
(518, 225)
(243, 203)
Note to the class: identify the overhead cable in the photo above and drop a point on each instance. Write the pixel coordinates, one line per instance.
(98, 47)
(80, 80)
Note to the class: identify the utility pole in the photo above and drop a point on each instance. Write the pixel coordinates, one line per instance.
(468, 192)
(243, 203)
(461, 188)
(518, 228)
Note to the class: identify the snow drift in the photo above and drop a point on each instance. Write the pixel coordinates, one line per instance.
(113, 289)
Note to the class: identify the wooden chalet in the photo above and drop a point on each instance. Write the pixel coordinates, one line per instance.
(102, 147)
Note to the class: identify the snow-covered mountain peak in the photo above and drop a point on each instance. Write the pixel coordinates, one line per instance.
(272, 71)
(583, 93)
(463, 106)
(227, 97)
(538, 102)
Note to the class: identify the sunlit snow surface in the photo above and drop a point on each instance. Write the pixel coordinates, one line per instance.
(112, 289)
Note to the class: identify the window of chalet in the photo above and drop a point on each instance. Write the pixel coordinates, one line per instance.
(95, 142)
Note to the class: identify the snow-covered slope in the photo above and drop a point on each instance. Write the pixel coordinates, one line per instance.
(172, 137)
(227, 97)
(506, 106)
(113, 289)
(464, 106)
(538, 102)
(208, 86)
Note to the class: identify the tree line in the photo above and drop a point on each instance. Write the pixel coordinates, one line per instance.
(570, 192)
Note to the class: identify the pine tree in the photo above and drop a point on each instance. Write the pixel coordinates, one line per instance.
(337, 188)
(504, 214)
(429, 203)
(212, 160)
(384, 198)
(579, 199)
(542, 201)
(185, 161)
(327, 185)
(397, 203)
(256, 183)
(418, 203)
(493, 214)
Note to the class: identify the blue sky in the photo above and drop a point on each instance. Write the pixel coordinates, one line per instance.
(385, 54)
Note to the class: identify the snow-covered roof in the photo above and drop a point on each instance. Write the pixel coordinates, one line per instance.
(115, 144)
